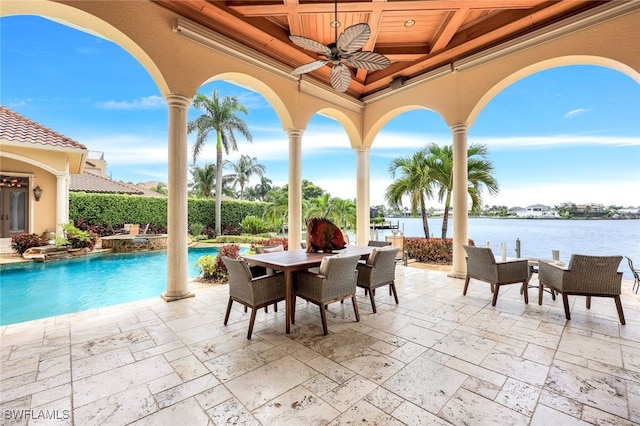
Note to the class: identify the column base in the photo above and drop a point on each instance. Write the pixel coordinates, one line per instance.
(461, 275)
(173, 298)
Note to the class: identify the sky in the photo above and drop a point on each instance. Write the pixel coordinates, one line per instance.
(568, 134)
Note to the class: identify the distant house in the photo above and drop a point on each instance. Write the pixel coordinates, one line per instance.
(537, 210)
(94, 180)
(517, 211)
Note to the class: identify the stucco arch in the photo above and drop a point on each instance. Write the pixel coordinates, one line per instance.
(83, 21)
(547, 65)
(33, 162)
(348, 125)
(381, 121)
(252, 83)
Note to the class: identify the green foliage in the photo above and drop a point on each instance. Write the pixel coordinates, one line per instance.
(61, 241)
(253, 225)
(21, 242)
(78, 238)
(212, 268)
(114, 210)
(117, 209)
(196, 229)
(240, 239)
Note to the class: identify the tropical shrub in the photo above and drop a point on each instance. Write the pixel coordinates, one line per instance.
(21, 242)
(254, 225)
(274, 241)
(78, 238)
(430, 250)
(196, 229)
(212, 268)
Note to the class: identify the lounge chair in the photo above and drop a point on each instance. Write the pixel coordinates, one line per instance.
(586, 276)
(482, 265)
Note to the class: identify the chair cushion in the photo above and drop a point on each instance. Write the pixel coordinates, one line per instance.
(277, 248)
(324, 265)
(372, 256)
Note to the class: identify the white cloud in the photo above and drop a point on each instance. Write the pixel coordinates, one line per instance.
(556, 141)
(144, 103)
(576, 112)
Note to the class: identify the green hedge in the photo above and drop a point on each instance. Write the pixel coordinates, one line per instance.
(118, 209)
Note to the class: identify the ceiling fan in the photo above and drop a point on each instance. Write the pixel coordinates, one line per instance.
(347, 47)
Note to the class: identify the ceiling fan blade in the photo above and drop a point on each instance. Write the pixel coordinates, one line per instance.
(370, 61)
(312, 45)
(340, 77)
(311, 66)
(353, 38)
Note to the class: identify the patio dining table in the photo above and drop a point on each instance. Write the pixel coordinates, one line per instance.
(291, 261)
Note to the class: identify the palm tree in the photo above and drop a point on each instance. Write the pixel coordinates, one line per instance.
(277, 212)
(415, 181)
(244, 169)
(479, 175)
(345, 213)
(263, 188)
(219, 116)
(204, 179)
(160, 188)
(321, 206)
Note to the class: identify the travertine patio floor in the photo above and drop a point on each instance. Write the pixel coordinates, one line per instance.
(436, 358)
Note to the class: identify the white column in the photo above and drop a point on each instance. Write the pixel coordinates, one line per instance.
(363, 179)
(177, 211)
(62, 202)
(295, 188)
(460, 199)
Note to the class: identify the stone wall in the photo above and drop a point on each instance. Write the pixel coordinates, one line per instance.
(133, 243)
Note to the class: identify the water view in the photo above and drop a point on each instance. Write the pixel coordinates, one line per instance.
(538, 237)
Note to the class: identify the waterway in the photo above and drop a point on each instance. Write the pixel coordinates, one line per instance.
(538, 237)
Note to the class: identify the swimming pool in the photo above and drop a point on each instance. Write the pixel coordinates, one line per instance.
(40, 290)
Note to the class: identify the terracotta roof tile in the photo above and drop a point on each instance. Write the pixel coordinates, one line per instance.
(16, 128)
(89, 182)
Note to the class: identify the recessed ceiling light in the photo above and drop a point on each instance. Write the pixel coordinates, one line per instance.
(409, 23)
(335, 24)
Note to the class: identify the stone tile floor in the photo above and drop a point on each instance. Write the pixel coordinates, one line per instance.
(436, 358)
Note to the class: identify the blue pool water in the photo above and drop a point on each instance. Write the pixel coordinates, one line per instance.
(40, 290)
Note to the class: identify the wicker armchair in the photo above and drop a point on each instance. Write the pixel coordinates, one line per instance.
(380, 270)
(636, 277)
(374, 243)
(482, 265)
(586, 276)
(335, 282)
(254, 293)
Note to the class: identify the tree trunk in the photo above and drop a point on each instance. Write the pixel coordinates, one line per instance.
(219, 184)
(445, 217)
(425, 222)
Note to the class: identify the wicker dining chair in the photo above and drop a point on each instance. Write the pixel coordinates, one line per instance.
(252, 292)
(482, 265)
(378, 271)
(636, 277)
(585, 276)
(335, 282)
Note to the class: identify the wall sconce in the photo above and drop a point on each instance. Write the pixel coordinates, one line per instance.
(37, 192)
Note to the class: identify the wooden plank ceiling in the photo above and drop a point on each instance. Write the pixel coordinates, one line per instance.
(443, 31)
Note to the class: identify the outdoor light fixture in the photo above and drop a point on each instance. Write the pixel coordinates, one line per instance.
(37, 192)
